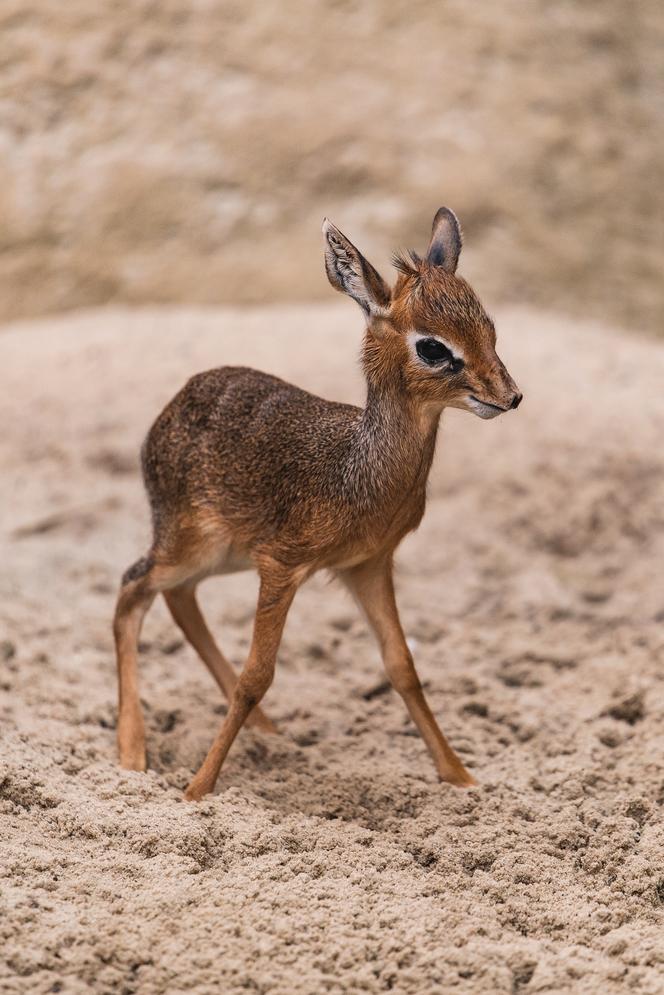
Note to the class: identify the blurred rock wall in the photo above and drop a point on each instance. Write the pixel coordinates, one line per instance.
(187, 151)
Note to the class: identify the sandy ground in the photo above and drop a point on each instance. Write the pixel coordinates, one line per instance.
(331, 860)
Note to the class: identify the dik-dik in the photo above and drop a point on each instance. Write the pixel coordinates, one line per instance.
(245, 471)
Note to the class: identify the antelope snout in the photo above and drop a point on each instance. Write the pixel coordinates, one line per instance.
(494, 391)
(507, 394)
(498, 405)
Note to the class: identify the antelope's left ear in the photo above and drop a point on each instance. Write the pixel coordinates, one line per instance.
(350, 272)
(445, 245)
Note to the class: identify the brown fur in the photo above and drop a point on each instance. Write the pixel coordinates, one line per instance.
(244, 469)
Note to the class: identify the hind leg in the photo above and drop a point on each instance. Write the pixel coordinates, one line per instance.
(136, 595)
(140, 584)
(186, 613)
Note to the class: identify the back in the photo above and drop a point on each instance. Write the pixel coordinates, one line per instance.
(246, 444)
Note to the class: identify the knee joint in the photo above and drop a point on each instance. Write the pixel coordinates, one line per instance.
(402, 677)
(251, 687)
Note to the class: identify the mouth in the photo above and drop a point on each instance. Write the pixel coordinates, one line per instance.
(484, 409)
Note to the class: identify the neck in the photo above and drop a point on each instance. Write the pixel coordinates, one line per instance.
(393, 446)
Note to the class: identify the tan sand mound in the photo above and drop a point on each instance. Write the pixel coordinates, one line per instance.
(331, 860)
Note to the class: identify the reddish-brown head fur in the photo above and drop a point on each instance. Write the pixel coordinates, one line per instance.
(429, 335)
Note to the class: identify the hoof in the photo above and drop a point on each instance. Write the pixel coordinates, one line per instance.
(458, 778)
(194, 793)
(134, 761)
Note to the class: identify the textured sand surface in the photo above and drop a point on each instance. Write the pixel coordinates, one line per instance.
(330, 859)
(187, 151)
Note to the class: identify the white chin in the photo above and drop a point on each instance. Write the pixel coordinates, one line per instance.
(482, 410)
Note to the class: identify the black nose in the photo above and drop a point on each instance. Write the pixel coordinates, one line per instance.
(518, 398)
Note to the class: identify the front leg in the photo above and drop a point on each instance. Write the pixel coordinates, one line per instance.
(276, 593)
(372, 585)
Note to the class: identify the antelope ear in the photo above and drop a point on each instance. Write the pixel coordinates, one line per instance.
(445, 245)
(350, 272)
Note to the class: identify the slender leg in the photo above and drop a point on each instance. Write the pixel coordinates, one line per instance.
(135, 598)
(277, 589)
(186, 612)
(373, 587)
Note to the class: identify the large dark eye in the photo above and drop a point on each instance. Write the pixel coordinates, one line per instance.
(435, 353)
(432, 351)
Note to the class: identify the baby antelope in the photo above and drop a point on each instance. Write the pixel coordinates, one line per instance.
(243, 470)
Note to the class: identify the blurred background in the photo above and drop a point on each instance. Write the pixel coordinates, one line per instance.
(167, 152)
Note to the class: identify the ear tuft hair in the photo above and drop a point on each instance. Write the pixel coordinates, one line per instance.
(407, 261)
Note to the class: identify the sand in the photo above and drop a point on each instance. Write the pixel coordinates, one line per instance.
(330, 859)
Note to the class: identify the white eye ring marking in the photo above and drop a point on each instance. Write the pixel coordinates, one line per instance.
(414, 337)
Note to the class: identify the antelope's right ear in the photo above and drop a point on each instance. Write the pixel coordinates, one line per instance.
(350, 272)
